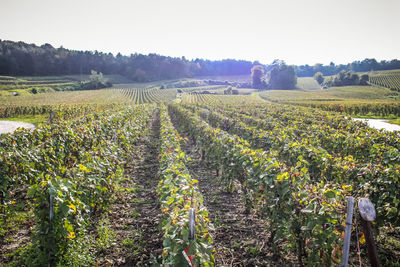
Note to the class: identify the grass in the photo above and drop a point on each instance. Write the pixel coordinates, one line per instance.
(36, 120)
(362, 92)
(102, 96)
(46, 84)
(395, 121)
(308, 84)
(332, 94)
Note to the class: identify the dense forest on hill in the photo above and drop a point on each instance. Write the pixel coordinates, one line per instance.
(22, 59)
(368, 64)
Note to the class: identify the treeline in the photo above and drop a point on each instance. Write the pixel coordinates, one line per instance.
(368, 64)
(22, 59)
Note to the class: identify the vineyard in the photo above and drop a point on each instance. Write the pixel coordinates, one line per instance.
(352, 100)
(156, 177)
(388, 79)
(141, 96)
(194, 98)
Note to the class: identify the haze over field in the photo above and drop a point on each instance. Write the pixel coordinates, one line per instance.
(299, 32)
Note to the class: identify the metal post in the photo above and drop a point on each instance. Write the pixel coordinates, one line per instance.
(51, 213)
(51, 216)
(347, 233)
(192, 228)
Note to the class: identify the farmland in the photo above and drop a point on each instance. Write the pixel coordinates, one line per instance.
(113, 177)
(388, 79)
(367, 101)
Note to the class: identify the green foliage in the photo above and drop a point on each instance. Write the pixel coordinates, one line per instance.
(141, 96)
(106, 235)
(36, 120)
(281, 76)
(390, 79)
(79, 252)
(319, 78)
(257, 74)
(346, 79)
(76, 164)
(297, 166)
(19, 58)
(178, 193)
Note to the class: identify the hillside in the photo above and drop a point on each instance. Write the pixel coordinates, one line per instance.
(389, 79)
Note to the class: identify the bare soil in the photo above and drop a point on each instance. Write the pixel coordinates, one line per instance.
(240, 239)
(135, 215)
(11, 126)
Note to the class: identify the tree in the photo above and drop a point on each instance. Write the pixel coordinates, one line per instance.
(282, 76)
(257, 73)
(346, 78)
(364, 79)
(319, 78)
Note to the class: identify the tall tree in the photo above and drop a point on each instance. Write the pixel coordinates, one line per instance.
(257, 73)
(282, 76)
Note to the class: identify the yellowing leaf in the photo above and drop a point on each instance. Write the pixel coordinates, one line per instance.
(71, 235)
(362, 239)
(72, 206)
(83, 168)
(282, 176)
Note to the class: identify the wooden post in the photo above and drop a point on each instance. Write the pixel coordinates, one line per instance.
(368, 214)
(51, 116)
(347, 233)
(51, 211)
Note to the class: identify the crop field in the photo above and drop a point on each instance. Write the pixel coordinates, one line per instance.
(193, 98)
(146, 176)
(141, 96)
(46, 84)
(388, 79)
(352, 100)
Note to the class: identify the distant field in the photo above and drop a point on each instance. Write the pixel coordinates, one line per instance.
(229, 78)
(67, 97)
(114, 78)
(190, 98)
(355, 100)
(217, 89)
(45, 84)
(153, 95)
(389, 79)
(331, 94)
(24, 85)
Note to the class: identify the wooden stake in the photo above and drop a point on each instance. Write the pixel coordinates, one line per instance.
(368, 214)
(369, 238)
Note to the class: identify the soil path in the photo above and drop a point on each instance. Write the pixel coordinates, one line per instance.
(239, 239)
(11, 126)
(380, 124)
(136, 213)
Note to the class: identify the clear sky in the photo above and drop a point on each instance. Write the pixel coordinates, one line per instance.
(297, 31)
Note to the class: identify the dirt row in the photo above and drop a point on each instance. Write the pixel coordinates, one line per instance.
(135, 214)
(240, 239)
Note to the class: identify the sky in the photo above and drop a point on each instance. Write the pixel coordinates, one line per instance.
(296, 31)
